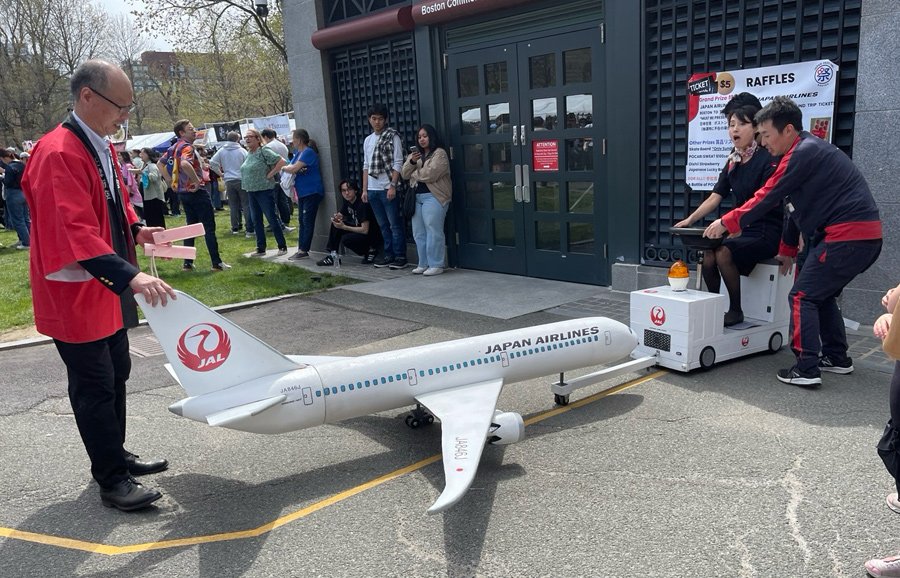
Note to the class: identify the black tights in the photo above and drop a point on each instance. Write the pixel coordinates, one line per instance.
(718, 262)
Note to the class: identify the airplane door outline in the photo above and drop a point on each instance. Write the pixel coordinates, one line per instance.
(608, 337)
(504, 358)
(411, 374)
(307, 396)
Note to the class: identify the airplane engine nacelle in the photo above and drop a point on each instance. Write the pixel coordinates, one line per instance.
(507, 427)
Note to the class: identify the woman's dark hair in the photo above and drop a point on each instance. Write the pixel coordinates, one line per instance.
(151, 154)
(302, 135)
(351, 184)
(125, 156)
(744, 106)
(434, 141)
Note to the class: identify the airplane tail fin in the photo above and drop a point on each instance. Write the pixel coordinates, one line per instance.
(208, 352)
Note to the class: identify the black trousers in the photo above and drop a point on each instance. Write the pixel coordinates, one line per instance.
(97, 374)
(357, 242)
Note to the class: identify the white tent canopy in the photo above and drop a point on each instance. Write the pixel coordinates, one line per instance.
(149, 140)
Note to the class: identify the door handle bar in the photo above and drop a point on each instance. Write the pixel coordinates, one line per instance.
(526, 184)
(518, 188)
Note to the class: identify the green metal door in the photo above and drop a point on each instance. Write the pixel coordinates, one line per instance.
(526, 123)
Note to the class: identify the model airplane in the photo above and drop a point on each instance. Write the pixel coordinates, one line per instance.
(234, 380)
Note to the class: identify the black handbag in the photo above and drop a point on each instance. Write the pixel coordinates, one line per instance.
(407, 200)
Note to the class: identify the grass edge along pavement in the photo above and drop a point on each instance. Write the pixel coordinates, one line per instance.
(249, 279)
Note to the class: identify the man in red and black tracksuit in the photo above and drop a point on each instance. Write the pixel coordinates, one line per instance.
(828, 200)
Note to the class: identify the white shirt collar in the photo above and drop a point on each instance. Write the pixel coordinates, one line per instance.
(101, 143)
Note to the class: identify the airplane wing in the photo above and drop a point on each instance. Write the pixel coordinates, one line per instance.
(465, 413)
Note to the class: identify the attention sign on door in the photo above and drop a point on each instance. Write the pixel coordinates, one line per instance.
(545, 155)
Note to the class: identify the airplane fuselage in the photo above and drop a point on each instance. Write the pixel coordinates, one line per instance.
(334, 391)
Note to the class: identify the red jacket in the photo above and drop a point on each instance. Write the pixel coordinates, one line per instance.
(70, 223)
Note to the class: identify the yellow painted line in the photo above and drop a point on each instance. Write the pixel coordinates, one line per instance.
(109, 550)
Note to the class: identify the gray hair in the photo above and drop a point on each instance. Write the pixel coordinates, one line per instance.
(91, 74)
(233, 136)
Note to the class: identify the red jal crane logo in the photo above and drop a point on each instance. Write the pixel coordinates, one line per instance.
(657, 315)
(203, 347)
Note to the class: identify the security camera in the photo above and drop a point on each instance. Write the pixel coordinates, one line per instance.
(262, 8)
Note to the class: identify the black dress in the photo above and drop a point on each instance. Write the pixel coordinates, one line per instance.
(759, 240)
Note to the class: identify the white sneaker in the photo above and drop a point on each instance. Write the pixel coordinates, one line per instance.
(884, 567)
(419, 270)
(433, 271)
(893, 503)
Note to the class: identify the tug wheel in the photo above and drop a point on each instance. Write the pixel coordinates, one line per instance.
(561, 399)
(775, 342)
(707, 357)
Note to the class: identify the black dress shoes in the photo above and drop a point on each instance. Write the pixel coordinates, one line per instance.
(139, 467)
(128, 495)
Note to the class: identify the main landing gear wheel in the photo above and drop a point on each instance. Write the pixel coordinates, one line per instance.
(707, 357)
(419, 417)
(561, 399)
(775, 342)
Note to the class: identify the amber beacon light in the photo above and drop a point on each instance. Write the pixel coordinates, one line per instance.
(678, 276)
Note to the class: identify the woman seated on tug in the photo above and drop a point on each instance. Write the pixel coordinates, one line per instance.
(748, 168)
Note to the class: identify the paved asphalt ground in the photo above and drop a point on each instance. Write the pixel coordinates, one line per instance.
(722, 473)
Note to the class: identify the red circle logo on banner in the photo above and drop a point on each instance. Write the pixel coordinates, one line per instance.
(657, 315)
(203, 347)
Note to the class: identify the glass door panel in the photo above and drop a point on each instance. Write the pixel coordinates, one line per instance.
(528, 164)
(483, 96)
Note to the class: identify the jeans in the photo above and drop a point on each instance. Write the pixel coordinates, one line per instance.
(19, 217)
(284, 205)
(198, 209)
(263, 202)
(393, 229)
(309, 207)
(238, 205)
(215, 195)
(428, 230)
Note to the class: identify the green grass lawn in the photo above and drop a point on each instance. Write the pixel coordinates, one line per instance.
(249, 279)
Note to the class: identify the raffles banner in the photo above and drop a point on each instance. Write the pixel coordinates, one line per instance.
(279, 123)
(810, 84)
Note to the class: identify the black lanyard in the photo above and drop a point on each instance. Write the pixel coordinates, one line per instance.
(123, 245)
(110, 191)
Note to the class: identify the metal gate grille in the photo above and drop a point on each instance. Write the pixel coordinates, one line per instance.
(688, 36)
(382, 71)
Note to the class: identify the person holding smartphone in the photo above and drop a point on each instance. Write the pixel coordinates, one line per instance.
(351, 227)
(428, 169)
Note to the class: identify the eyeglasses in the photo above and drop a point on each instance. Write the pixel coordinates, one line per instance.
(122, 109)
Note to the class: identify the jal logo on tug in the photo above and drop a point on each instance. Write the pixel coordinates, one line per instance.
(203, 347)
(657, 315)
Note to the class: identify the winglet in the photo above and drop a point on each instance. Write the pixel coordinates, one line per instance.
(465, 413)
